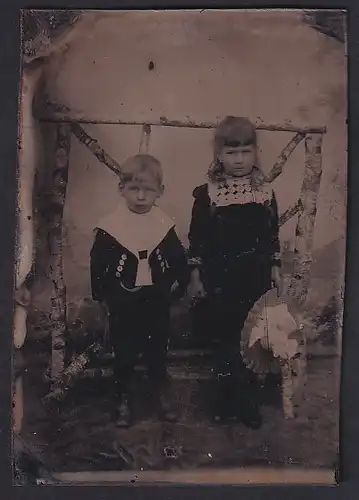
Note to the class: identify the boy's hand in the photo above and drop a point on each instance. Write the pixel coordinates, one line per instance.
(196, 289)
(277, 280)
(105, 312)
(177, 291)
(174, 287)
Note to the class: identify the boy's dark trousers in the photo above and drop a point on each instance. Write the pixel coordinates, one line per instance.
(139, 331)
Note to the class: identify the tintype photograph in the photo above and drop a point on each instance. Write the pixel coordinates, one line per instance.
(180, 253)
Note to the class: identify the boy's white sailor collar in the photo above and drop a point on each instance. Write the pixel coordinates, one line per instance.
(137, 232)
(238, 192)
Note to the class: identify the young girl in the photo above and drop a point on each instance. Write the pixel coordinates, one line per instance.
(234, 249)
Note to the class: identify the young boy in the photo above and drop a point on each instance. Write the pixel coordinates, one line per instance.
(137, 260)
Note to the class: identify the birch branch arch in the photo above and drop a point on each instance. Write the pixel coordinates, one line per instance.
(305, 207)
(45, 37)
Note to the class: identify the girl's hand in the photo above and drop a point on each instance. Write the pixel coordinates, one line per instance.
(196, 290)
(277, 280)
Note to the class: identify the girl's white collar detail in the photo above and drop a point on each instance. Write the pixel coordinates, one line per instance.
(238, 192)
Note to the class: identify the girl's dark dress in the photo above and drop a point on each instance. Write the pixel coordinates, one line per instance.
(234, 243)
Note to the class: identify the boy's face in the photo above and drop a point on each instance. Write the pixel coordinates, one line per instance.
(141, 194)
(238, 161)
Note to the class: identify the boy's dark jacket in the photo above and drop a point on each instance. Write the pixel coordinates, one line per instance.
(114, 267)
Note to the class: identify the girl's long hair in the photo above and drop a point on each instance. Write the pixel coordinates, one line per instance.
(237, 129)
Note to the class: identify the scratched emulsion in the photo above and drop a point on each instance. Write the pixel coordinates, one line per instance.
(194, 67)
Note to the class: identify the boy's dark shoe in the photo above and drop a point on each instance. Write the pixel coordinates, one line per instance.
(166, 409)
(167, 414)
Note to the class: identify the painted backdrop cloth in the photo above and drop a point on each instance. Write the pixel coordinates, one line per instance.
(138, 233)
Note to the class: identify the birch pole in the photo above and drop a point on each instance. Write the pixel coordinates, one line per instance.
(145, 139)
(64, 379)
(95, 148)
(300, 281)
(56, 208)
(306, 220)
(277, 169)
(68, 377)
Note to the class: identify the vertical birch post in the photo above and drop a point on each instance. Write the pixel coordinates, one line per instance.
(67, 378)
(302, 262)
(57, 202)
(305, 227)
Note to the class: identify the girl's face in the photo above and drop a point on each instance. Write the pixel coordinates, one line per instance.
(238, 161)
(140, 195)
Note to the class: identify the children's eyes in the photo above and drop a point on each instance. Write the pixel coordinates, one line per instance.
(135, 189)
(244, 151)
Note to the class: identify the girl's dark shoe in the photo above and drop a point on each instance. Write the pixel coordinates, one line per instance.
(250, 415)
(224, 405)
(123, 413)
(248, 409)
(237, 399)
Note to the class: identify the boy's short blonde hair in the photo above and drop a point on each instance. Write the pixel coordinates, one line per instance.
(139, 166)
